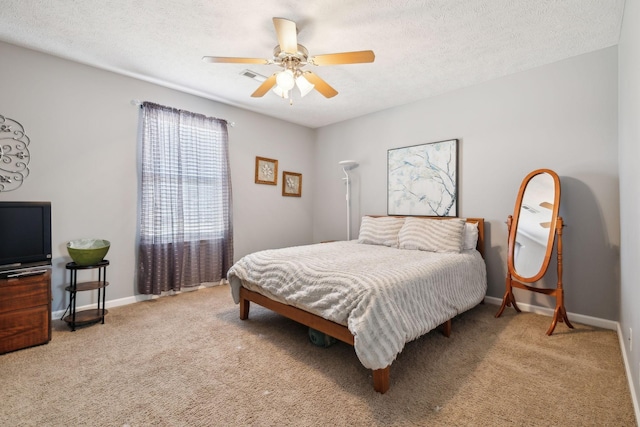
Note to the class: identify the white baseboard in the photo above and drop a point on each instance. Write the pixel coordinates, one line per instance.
(627, 368)
(545, 311)
(586, 320)
(131, 300)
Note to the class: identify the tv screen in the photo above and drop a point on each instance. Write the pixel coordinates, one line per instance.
(25, 234)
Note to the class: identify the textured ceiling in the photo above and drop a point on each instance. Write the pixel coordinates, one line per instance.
(422, 48)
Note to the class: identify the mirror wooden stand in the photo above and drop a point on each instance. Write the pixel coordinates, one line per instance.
(533, 229)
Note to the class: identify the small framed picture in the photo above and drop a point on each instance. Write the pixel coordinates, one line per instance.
(291, 184)
(266, 171)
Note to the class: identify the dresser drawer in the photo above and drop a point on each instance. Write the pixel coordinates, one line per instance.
(25, 312)
(24, 328)
(23, 293)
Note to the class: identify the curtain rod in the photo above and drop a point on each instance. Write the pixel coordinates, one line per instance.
(138, 103)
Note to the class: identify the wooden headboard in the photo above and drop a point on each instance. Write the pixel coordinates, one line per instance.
(479, 221)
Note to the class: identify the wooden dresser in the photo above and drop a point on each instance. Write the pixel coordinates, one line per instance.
(25, 312)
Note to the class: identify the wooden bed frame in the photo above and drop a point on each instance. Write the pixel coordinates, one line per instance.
(336, 330)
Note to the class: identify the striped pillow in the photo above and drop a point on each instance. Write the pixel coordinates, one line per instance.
(380, 231)
(433, 235)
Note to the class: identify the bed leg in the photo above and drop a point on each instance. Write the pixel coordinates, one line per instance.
(446, 328)
(381, 380)
(244, 308)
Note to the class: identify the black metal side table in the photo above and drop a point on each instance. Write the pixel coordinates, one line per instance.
(92, 315)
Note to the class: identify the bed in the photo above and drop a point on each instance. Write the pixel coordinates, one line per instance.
(402, 278)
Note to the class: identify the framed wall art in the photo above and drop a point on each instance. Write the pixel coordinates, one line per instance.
(423, 179)
(266, 171)
(291, 184)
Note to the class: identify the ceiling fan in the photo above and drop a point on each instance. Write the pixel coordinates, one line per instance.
(292, 57)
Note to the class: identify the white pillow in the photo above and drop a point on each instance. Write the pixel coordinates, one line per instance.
(433, 235)
(470, 240)
(380, 231)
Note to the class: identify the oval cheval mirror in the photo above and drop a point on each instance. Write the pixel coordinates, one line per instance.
(533, 228)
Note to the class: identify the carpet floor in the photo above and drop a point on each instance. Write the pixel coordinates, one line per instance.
(187, 360)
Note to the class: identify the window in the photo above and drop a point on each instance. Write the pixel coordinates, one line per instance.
(185, 232)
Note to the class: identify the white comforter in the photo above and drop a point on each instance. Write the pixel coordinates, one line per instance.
(385, 296)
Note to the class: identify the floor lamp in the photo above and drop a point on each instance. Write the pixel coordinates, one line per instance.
(347, 165)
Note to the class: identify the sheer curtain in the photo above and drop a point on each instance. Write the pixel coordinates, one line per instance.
(185, 229)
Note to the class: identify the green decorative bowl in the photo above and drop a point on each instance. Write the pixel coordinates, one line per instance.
(88, 251)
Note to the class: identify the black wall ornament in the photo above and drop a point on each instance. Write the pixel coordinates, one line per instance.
(14, 154)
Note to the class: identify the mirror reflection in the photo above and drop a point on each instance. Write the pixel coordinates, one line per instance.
(534, 225)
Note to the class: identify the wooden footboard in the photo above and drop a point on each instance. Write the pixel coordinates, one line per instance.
(336, 330)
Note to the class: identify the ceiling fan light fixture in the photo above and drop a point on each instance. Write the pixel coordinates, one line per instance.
(280, 92)
(292, 56)
(285, 80)
(304, 85)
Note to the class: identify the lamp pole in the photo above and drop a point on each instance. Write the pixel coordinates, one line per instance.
(348, 165)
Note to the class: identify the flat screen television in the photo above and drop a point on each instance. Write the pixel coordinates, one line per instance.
(25, 235)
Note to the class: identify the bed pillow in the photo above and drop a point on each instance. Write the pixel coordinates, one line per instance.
(433, 235)
(470, 240)
(380, 230)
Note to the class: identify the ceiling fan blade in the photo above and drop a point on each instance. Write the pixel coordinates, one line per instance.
(227, 60)
(546, 205)
(320, 85)
(358, 57)
(287, 35)
(545, 224)
(265, 86)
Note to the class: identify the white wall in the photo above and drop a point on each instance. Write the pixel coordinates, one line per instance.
(83, 131)
(629, 122)
(562, 116)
